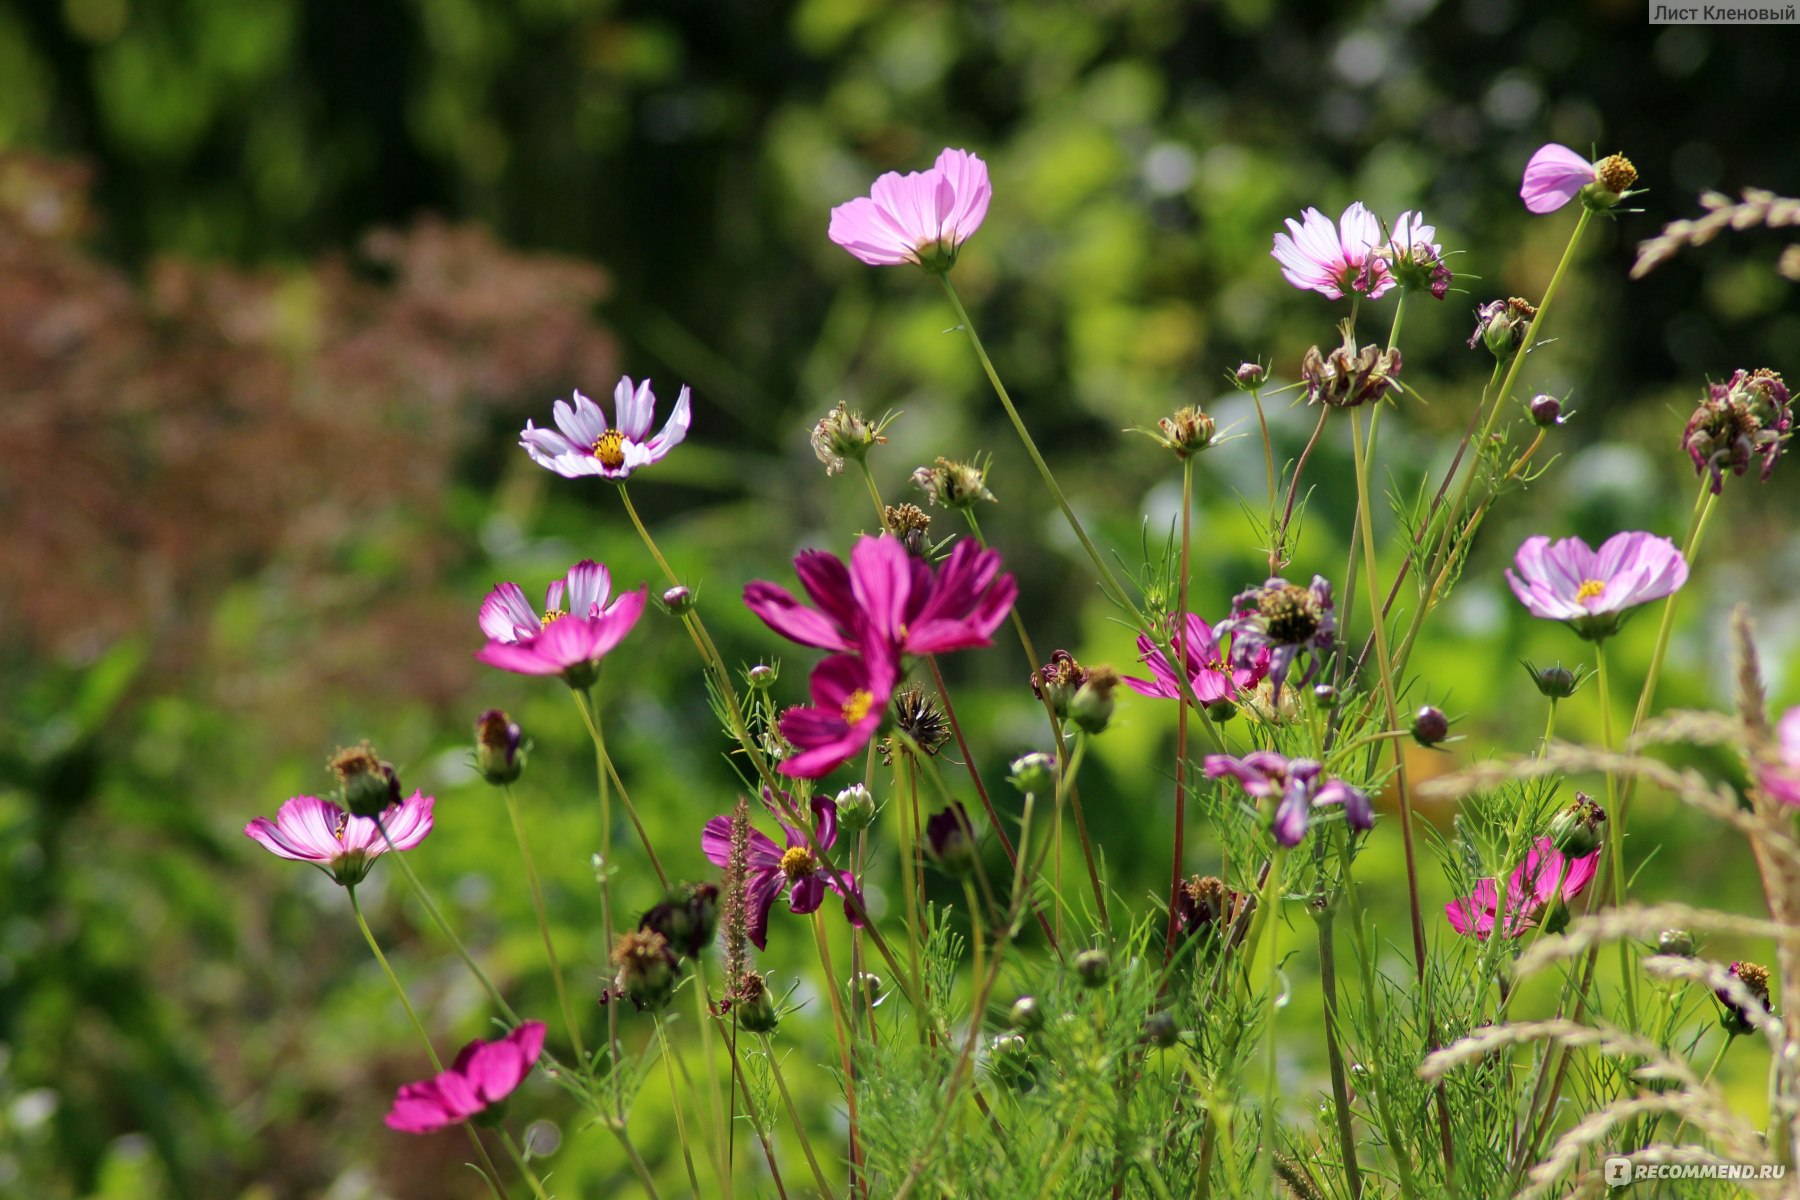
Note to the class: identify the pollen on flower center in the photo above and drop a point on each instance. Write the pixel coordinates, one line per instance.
(798, 863)
(856, 708)
(1589, 589)
(554, 614)
(1291, 615)
(609, 448)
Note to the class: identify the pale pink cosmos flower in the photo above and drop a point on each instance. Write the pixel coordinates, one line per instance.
(1592, 591)
(1554, 176)
(1546, 880)
(922, 218)
(576, 630)
(308, 829)
(1331, 259)
(484, 1074)
(1781, 779)
(589, 444)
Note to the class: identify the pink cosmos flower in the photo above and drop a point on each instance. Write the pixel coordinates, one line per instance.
(1782, 780)
(1554, 176)
(484, 1074)
(1208, 675)
(576, 630)
(1546, 880)
(590, 445)
(890, 597)
(1296, 786)
(1593, 592)
(922, 218)
(850, 694)
(795, 869)
(308, 829)
(1317, 255)
(1414, 257)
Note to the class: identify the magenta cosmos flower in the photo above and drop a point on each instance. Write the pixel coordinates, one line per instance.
(1207, 673)
(888, 596)
(1331, 259)
(575, 631)
(1593, 591)
(922, 218)
(850, 694)
(795, 869)
(484, 1074)
(588, 444)
(1296, 787)
(1781, 779)
(1544, 882)
(308, 829)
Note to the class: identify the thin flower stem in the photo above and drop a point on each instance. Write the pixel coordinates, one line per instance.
(1334, 1057)
(1108, 582)
(519, 1160)
(635, 1159)
(543, 921)
(962, 745)
(842, 1026)
(1372, 580)
(787, 1100)
(492, 1176)
(1278, 552)
(687, 1157)
(612, 772)
(905, 810)
(1262, 422)
(586, 701)
(721, 1120)
(874, 493)
(1271, 897)
(1399, 311)
(1178, 850)
(1615, 842)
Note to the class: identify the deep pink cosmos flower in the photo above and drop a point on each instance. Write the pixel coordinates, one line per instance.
(1211, 680)
(577, 629)
(484, 1074)
(1544, 882)
(1331, 259)
(922, 218)
(850, 694)
(795, 869)
(890, 597)
(308, 829)
(590, 445)
(1781, 780)
(1296, 786)
(1593, 592)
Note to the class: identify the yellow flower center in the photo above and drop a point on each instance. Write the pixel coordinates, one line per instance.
(610, 449)
(552, 615)
(1589, 589)
(798, 863)
(857, 706)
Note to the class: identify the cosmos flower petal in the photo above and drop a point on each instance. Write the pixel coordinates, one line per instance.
(1553, 177)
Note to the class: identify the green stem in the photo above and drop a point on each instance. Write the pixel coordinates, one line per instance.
(636, 1160)
(1108, 582)
(1334, 1058)
(519, 1160)
(793, 1113)
(590, 709)
(1271, 896)
(874, 493)
(1616, 842)
(543, 921)
(1178, 848)
(687, 1156)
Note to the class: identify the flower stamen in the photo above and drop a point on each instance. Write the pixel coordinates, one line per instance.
(857, 705)
(799, 863)
(1590, 589)
(609, 448)
(552, 615)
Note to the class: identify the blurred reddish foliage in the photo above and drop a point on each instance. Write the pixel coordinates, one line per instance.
(164, 439)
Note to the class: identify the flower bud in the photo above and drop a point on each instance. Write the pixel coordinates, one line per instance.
(762, 676)
(1576, 830)
(1546, 411)
(870, 987)
(1221, 711)
(1034, 774)
(844, 433)
(1676, 942)
(1057, 681)
(950, 841)
(1430, 726)
(648, 968)
(687, 918)
(955, 484)
(1092, 707)
(497, 754)
(855, 808)
(1557, 682)
(1093, 968)
(369, 785)
(1755, 979)
(1249, 375)
(1160, 1029)
(1326, 695)
(1009, 1058)
(1501, 326)
(1187, 432)
(678, 601)
(1026, 1016)
(753, 1006)
(911, 524)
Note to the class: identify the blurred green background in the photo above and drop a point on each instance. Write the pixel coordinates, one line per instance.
(280, 281)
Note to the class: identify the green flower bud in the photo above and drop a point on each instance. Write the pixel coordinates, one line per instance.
(1576, 830)
(1026, 1016)
(1093, 968)
(855, 808)
(753, 1006)
(1092, 707)
(1676, 942)
(369, 785)
(1160, 1029)
(497, 753)
(1034, 774)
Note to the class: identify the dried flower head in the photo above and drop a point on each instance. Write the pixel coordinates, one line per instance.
(1745, 418)
(648, 968)
(1058, 680)
(951, 484)
(918, 716)
(1755, 978)
(749, 999)
(1187, 432)
(369, 785)
(1349, 376)
(1502, 325)
(843, 433)
(911, 524)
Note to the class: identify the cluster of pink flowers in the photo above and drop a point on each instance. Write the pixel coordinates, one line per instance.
(1356, 254)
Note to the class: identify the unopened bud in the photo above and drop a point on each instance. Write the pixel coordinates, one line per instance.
(1430, 726)
(1547, 411)
(497, 753)
(1026, 1015)
(855, 808)
(1092, 707)
(1160, 1029)
(1009, 1058)
(1676, 942)
(678, 600)
(1034, 774)
(1221, 711)
(1250, 374)
(1093, 968)
(1557, 682)
(950, 841)
(1576, 830)
(871, 988)
(687, 918)
(369, 785)
(762, 676)
(753, 1006)
(1326, 695)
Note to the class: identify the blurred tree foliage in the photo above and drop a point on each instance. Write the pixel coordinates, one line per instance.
(257, 462)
